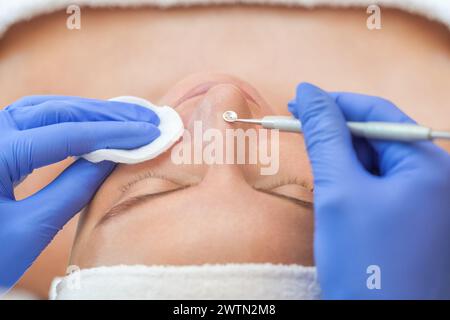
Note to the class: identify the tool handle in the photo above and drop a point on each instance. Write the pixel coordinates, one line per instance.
(370, 130)
(283, 123)
(390, 131)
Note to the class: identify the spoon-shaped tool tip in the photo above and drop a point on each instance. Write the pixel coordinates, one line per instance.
(229, 116)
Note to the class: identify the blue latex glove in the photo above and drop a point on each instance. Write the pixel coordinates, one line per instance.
(376, 202)
(39, 130)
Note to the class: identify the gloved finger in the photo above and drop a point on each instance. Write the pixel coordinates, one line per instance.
(292, 107)
(366, 154)
(76, 110)
(359, 107)
(68, 193)
(29, 101)
(45, 145)
(364, 151)
(326, 134)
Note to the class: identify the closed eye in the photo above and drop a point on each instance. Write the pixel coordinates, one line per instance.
(133, 202)
(160, 185)
(295, 200)
(292, 189)
(149, 175)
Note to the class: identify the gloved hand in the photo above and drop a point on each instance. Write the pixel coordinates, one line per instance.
(382, 209)
(40, 130)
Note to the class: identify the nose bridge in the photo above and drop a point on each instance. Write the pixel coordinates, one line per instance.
(216, 101)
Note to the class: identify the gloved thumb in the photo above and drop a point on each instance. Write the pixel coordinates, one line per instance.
(327, 137)
(70, 192)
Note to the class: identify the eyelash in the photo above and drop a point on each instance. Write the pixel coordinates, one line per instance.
(282, 181)
(149, 174)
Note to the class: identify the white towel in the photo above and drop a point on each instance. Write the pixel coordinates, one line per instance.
(228, 281)
(12, 11)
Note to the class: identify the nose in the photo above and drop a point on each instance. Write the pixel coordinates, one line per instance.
(216, 101)
(208, 113)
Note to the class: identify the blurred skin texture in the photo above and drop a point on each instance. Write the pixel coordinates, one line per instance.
(144, 52)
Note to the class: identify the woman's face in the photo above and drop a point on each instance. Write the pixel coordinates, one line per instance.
(162, 212)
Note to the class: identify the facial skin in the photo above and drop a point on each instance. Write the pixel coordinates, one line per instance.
(285, 45)
(203, 213)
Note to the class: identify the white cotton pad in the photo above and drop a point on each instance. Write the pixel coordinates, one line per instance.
(171, 127)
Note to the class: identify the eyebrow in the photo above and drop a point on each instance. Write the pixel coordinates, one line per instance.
(134, 202)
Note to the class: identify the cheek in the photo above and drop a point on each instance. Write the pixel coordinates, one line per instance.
(294, 157)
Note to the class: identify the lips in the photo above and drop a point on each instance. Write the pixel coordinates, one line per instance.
(204, 87)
